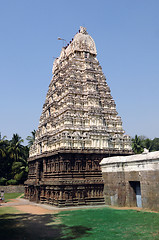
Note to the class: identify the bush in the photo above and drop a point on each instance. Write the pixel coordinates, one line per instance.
(3, 181)
(12, 182)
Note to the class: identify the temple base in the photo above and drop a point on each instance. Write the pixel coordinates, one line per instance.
(66, 195)
(66, 179)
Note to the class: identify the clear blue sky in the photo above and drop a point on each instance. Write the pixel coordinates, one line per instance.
(126, 34)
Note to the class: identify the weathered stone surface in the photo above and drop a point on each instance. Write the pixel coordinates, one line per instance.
(79, 125)
(79, 111)
(120, 173)
(12, 189)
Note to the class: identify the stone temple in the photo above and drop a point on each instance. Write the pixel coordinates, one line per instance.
(79, 126)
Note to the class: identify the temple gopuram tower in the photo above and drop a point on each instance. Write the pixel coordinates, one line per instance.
(79, 126)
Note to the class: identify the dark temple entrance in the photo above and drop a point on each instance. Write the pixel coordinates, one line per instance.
(136, 191)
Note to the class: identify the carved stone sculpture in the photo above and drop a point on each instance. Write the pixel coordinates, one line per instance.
(79, 125)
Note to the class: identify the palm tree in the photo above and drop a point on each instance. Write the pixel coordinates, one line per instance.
(3, 146)
(19, 154)
(31, 138)
(5, 163)
(13, 160)
(16, 149)
(137, 145)
(20, 170)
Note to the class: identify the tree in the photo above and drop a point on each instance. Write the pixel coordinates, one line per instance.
(13, 160)
(147, 143)
(141, 142)
(3, 144)
(19, 154)
(5, 162)
(155, 144)
(20, 171)
(137, 145)
(2, 148)
(31, 138)
(16, 149)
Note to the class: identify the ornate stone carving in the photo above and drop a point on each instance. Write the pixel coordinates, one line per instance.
(79, 124)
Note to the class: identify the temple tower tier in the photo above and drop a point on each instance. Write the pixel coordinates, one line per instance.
(79, 126)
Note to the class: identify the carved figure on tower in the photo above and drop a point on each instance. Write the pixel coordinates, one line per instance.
(79, 125)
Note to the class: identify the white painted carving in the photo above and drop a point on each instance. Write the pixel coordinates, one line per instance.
(79, 111)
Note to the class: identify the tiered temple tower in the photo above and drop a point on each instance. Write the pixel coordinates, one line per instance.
(79, 126)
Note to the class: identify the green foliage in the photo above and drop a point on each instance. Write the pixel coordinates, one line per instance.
(8, 196)
(3, 181)
(137, 145)
(141, 142)
(25, 152)
(16, 149)
(155, 144)
(5, 160)
(13, 160)
(147, 143)
(31, 138)
(12, 182)
(19, 176)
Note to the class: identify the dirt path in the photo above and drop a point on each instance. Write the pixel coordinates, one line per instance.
(25, 206)
(35, 210)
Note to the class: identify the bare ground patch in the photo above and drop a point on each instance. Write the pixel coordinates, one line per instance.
(35, 210)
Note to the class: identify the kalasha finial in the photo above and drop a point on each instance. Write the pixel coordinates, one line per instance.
(83, 30)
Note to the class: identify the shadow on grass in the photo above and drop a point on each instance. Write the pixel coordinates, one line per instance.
(75, 232)
(37, 227)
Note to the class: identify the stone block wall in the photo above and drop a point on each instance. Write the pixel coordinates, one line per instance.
(119, 192)
(12, 189)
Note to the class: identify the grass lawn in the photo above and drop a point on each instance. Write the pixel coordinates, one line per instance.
(108, 223)
(8, 196)
(89, 224)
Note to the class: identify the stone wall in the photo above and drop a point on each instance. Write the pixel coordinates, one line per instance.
(119, 192)
(132, 180)
(12, 189)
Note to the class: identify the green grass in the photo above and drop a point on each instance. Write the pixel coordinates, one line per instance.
(109, 224)
(8, 210)
(89, 224)
(8, 196)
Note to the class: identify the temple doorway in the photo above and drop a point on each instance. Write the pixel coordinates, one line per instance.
(135, 185)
